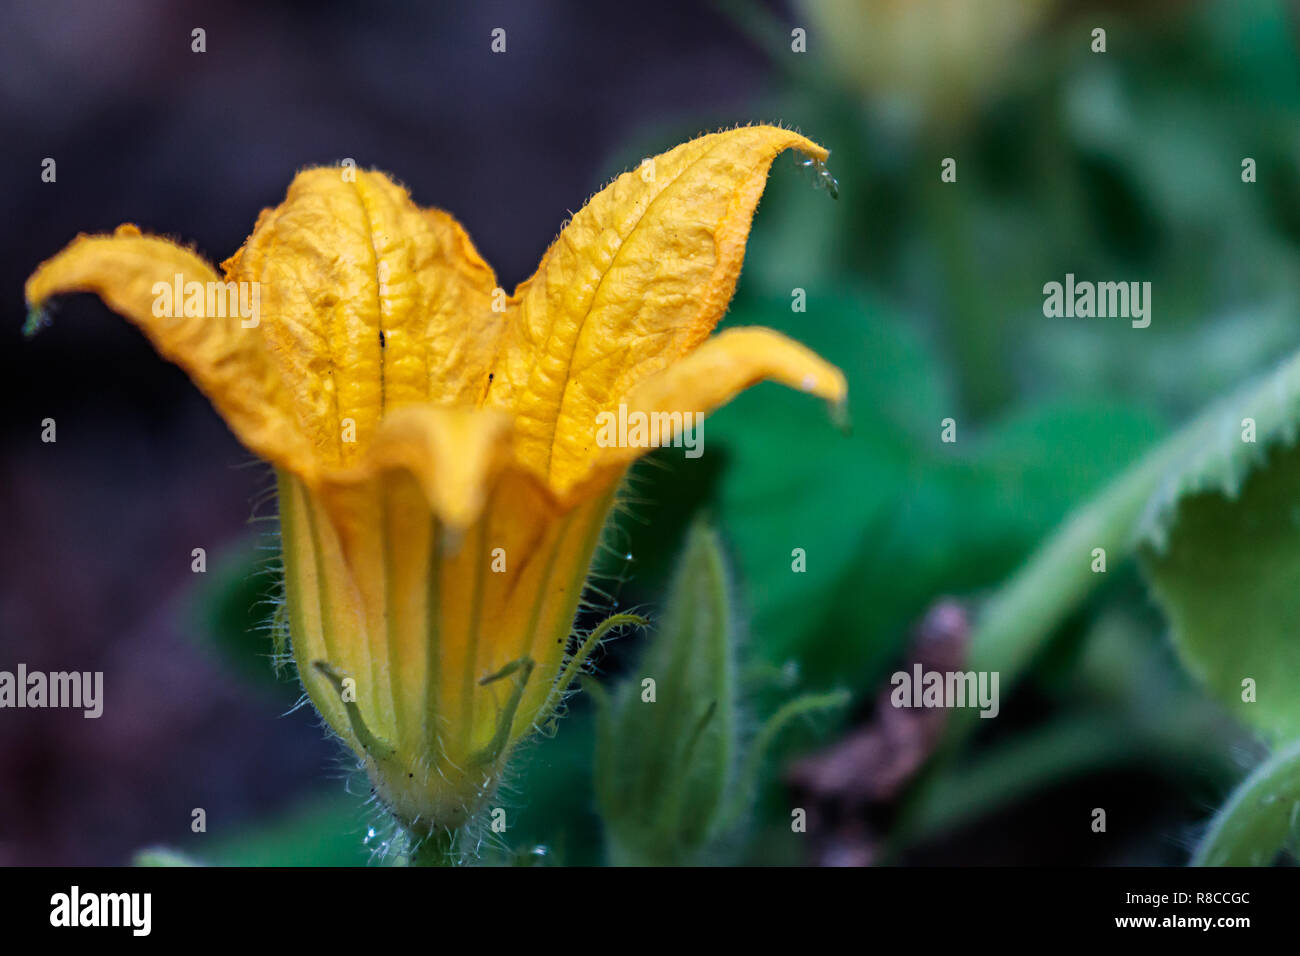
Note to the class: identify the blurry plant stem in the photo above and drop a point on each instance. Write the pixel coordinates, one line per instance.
(1068, 746)
(1260, 816)
(436, 849)
(1059, 189)
(972, 327)
(1015, 624)
(974, 321)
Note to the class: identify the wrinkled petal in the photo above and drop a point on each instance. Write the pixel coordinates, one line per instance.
(227, 361)
(454, 455)
(368, 303)
(708, 378)
(637, 279)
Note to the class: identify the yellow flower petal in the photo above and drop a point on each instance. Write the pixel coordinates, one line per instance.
(454, 454)
(708, 378)
(433, 544)
(637, 279)
(227, 361)
(368, 303)
(419, 619)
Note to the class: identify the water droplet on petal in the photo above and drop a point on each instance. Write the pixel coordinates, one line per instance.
(37, 319)
(822, 177)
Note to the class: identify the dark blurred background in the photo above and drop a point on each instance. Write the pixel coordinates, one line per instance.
(1125, 165)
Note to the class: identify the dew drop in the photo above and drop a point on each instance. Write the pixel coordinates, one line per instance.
(822, 178)
(37, 319)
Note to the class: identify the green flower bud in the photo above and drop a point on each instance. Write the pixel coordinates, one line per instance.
(667, 742)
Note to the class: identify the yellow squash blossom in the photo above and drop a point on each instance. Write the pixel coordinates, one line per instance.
(442, 489)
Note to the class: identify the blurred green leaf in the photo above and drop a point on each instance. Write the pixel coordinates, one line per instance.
(1228, 581)
(889, 516)
(549, 793)
(795, 481)
(1222, 548)
(161, 856)
(235, 606)
(324, 831)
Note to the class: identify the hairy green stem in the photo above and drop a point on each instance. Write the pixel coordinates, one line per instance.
(767, 734)
(1259, 818)
(1058, 576)
(1014, 625)
(1017, 622)
(436, 849)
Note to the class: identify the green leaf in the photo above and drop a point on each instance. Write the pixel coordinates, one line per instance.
(888, 516)
(1210, 455)
(1221, 548)
(795, 481)
(1228, 579)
